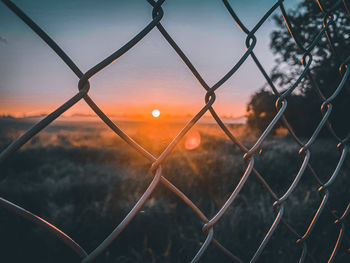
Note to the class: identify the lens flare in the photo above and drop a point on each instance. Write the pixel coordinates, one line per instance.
(193, 140)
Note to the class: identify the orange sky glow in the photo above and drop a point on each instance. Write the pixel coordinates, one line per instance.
(26, 108)
(35, 81)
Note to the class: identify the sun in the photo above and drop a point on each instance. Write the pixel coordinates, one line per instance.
(155, 113)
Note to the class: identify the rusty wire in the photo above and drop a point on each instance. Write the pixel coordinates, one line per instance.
(210, 97)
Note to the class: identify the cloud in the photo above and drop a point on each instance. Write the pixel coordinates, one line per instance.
(3, 40)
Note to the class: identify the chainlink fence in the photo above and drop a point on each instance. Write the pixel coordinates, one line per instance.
(248, 154)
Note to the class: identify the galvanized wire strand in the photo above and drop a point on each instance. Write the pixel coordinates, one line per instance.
(83, 80)
(210, 97)
(326, 102)
(286, 123)
(324, 190)
(104, 63)
(45, 225)
(232, 197)
(200, 79)
(325, 118)
(337, 244)
(346, 6)
(316, 217)
(41, 125)
(200, 214)
(337, 169)
(182, 133)
(105, 243)
(45, 37)
(328, 11)
(268, 235)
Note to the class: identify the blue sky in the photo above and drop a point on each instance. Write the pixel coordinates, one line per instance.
(151, 75)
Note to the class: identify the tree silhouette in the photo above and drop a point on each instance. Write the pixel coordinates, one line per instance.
(331, 52)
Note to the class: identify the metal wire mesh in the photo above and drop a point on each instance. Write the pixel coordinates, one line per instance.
(210, 97)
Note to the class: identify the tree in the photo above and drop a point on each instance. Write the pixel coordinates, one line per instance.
(261, 110)
(303, 110)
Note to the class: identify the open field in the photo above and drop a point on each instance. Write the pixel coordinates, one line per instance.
(84, 179)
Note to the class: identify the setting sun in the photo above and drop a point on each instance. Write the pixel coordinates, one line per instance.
(155, 113)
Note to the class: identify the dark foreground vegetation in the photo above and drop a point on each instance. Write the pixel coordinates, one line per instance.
(85, 182)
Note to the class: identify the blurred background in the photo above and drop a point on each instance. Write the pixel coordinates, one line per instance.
(83, 178)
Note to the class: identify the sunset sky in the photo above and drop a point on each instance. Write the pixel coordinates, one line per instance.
(34, 80)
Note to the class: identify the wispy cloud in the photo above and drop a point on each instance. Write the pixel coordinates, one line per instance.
(3, 40)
